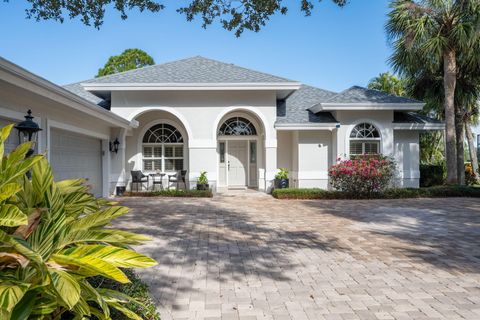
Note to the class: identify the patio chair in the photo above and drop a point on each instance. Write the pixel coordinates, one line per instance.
(139, 178)
(178, 177)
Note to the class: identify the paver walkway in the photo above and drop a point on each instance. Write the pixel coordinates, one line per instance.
(253, 257)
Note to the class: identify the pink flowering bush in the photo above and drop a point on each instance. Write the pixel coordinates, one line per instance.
(363, 175)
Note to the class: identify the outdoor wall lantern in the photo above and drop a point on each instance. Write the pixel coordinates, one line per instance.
(28, 131)
(114, 145)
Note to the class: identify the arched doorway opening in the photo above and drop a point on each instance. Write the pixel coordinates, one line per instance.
(240, 155)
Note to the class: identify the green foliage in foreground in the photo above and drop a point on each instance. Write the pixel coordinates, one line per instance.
(53, 238)
(136, 289)
(193, 193)
(432, 192)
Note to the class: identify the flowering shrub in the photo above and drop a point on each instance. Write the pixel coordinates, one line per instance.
(470, 178)
(362, 175)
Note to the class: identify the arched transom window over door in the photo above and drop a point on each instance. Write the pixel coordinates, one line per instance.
(237, 126)
(364, 139)
(162, 148)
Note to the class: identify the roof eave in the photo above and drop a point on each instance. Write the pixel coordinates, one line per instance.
(307, 126)
(79, 103)
(367, 106)
(418, 126)
(191, 86)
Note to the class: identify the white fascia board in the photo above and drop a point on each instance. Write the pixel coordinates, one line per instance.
(189, 86)
(307, 126)
(418, 126)
(78, 103)
(368, 106)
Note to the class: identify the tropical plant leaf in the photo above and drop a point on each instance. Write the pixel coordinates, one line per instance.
(91, 294)
(12, 216)
(67, 287)
(99, 218)
(11, 294)
(81, 309)
(42, 176)
(90, 266)
(24, 308)
(33, 220)
(12, 260)
(8, 190)
(127, 312)
(5, 132)
(118, 257)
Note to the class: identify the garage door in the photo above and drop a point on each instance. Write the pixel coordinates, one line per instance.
(12, 140)
(74, 155)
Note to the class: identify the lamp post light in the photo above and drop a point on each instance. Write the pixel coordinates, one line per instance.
(28, 132)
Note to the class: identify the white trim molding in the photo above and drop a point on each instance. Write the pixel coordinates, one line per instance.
(366, 106)
(192, 86)
(418, 126)
(68, 127)
(307, 126)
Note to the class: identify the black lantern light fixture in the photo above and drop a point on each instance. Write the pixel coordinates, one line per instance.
(27, 131)
(114, 145)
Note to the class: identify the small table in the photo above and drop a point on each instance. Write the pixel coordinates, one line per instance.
(157, 178)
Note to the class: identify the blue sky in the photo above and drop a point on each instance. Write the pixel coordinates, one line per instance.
(332, 49)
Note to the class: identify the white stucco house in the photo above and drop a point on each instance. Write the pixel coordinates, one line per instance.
(199, 114)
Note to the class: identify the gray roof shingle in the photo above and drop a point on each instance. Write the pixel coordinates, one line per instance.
(191, 70)
(413, 117)
(80, 91)
(294, 108)
(357, 94)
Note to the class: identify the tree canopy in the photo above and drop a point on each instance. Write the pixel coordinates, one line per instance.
(127, 60)
(432, 35)
(233, 15)
(388, 83)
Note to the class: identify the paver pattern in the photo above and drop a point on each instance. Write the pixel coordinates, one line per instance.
(249, 256)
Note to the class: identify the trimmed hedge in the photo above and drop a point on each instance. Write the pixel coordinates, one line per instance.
(173, 193)
(432, 192)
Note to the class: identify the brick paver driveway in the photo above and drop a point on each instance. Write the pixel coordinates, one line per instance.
(253, 257)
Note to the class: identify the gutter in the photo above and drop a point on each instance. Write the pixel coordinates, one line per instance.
(84, 106)
(307, 126)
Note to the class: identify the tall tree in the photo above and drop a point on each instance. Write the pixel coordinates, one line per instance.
(388, 83)
(127, 60)
(233, 15)
(428, 34)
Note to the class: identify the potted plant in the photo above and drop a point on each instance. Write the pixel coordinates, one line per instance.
(202, 181)
(281, 179)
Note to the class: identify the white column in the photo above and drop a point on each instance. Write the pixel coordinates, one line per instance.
(270, 163)
(203, 157)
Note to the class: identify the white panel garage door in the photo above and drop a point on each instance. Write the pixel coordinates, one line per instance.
(74, 155)
(12, 140)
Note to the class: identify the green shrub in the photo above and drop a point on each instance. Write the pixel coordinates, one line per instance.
(432, 175)
(192, 193)
(136, 289)
(400, 193)
(53, 238)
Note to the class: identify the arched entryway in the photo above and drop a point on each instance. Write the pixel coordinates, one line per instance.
(240, 150)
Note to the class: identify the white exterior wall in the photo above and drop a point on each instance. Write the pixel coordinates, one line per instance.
(200, 114)
(407, 155)
(17, 98)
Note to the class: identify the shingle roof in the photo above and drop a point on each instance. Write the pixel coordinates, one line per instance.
(412, 117)
(191, 70)
(358, 94)
(80, 91)
(294, 108)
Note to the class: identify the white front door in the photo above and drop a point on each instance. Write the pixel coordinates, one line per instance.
(237, 163)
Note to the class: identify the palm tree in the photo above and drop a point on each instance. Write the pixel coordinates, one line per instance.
(388, 83)
(431, 34)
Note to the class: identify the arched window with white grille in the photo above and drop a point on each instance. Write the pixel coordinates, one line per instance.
(162, 147)
(237, 126)
(364, 139)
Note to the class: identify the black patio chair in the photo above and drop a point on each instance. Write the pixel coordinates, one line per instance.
(178, 177)
(139, 178)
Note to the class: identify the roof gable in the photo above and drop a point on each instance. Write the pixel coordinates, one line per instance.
(191, 70)
(357, 94)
